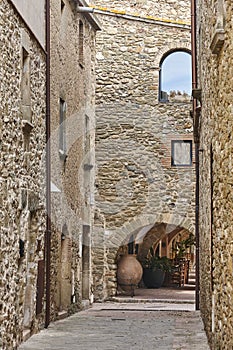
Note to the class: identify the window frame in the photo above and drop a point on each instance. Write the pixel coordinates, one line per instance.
(163, 96)
(173, 142)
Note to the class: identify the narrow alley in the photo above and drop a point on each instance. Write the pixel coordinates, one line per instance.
(116, 181)
(112, 325)
(163, 318)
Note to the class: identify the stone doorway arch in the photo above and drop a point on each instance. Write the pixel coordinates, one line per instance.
(143, 231)
(164, 239)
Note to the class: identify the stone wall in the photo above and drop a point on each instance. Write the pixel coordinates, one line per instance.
(163, 9)
(215, 64)
(22, 176)
(136, 185)
(72, 164)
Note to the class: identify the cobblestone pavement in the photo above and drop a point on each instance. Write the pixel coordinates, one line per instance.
(135, 326)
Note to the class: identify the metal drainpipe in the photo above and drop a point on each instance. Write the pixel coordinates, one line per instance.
(197, 229)
(194, 86)
(48, 169)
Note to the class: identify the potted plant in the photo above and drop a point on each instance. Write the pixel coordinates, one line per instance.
(181, 247)
(154, 269)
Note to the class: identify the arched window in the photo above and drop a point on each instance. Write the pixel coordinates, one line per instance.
(175, 77)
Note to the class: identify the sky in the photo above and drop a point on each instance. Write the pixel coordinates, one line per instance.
(176, 73)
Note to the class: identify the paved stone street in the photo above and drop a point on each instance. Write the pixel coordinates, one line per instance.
(135, 325)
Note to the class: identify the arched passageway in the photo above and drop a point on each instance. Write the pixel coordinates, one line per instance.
(171, 245)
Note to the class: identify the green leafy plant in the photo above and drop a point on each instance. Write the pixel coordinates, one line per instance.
(154, 262)
(181, 247)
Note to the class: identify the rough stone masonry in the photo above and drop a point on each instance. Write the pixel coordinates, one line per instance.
(215, 71)
(136, 185)
(22, 178)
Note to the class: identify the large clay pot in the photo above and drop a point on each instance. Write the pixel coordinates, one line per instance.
(129, 272)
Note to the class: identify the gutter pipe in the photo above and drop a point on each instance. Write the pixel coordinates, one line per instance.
(88, 12)
(196, 140)
(48, 169)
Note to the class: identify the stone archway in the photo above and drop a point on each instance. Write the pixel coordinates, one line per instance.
(120, 236)
(161, 237)
(173, 46)
(155, 228)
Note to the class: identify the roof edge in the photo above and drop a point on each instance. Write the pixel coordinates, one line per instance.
(91, 18)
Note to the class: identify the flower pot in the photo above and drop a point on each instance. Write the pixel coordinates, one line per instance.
(129, 272)
(153, 278)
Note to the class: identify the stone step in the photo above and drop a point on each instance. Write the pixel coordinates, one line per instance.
(149, 301)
